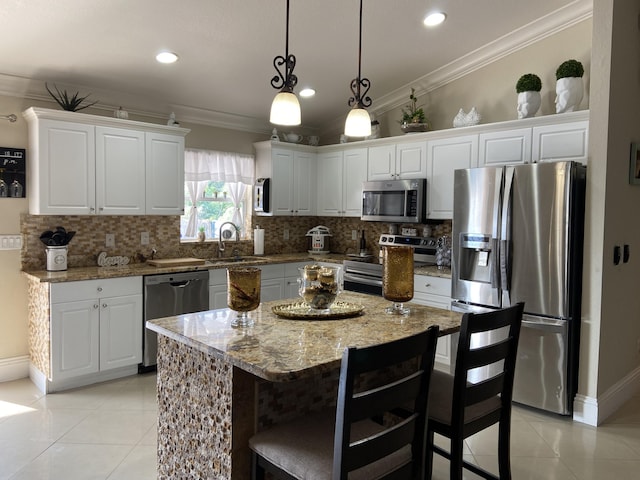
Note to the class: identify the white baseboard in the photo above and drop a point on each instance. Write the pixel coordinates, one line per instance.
(594, 411)
(14, 368)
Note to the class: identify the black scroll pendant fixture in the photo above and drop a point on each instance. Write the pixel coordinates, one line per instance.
(358, 123)
(285, 109)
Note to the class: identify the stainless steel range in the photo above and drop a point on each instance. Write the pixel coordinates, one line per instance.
(365, 275)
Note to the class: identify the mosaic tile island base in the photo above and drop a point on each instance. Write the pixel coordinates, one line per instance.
(217, 384)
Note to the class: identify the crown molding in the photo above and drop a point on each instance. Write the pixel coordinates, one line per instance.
(563, 18)
(572, 14)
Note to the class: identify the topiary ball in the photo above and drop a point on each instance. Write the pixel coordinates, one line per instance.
(529, 82)
(570, 68)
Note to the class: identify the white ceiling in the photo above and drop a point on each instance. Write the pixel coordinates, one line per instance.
(226, 49)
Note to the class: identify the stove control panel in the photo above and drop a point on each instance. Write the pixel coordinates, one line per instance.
(388, 239)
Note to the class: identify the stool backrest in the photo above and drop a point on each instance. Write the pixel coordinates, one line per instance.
(409, 390)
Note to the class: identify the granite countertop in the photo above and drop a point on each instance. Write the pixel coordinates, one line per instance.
(278, 349)
(131, 270)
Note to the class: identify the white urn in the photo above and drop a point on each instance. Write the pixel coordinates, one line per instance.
(569, 92)
(528, 104)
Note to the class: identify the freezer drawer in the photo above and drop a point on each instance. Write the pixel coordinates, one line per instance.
(541, 369)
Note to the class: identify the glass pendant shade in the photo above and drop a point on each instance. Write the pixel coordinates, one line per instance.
(358, 123)
(285, 109)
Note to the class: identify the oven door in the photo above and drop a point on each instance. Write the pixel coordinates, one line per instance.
(363, 277)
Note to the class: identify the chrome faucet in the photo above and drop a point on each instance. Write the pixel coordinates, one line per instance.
(220, 242)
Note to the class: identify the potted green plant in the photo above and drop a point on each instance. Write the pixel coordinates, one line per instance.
(569, 86)
(69, 103)
(528, 89)
(201, 234)
(413, 117)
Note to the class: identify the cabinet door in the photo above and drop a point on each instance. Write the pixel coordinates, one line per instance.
(382, 163)
(217, 296)
(509, 147)
(443, 157)
(62, 169)
(164, 174)
(120, 171)
(282, 182)
(271, 289)
(291, 287)
(411, 160)
(74, 339)
(330, 181)
(304, 185)
(120, 331)
(353, 174)
(568, 141)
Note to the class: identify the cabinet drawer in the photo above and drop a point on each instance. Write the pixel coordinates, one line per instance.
(291, 269)
(272, 271)
(432, 285)
(87, 289)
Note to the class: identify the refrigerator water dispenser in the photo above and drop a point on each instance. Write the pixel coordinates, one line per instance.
(476, 256)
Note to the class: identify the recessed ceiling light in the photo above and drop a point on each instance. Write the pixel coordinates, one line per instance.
(307, 92)
(167, 57)
(434, 19)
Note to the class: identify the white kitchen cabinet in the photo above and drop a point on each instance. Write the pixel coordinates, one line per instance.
(505, 147)
(444, 156)
(217, 288)
(340, 177)
(120, 171)
(292, 170)
(565, 141)
(164, 174)
(436, 292)
(84, 164)
(62, 167)
(96, 331)
(397, 161)
(291, 276)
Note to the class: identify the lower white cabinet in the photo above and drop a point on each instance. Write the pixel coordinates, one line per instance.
(436, 292)
(96, 328)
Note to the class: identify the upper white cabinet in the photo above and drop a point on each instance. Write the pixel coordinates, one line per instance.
(505, 147)
(291, 169)
(567, 141)
(84, 164)
(340, 177)
(397, 161)
(444, 156)
(164, 174)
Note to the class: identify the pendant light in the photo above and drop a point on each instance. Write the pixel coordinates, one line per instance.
(285, 109)
(358, 122)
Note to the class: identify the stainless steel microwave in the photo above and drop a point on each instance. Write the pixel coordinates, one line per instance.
(394, 201)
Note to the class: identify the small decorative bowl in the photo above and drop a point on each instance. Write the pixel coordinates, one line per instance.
(414, 127)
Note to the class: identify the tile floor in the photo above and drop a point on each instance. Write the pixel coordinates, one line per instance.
(108, 431)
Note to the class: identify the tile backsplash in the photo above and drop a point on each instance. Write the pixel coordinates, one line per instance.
(164, 237)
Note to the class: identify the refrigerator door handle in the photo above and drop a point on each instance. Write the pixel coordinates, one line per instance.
(495, 270)
(505, 238)
(546, 324)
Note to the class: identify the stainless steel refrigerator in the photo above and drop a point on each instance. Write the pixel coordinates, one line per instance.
(517, 237)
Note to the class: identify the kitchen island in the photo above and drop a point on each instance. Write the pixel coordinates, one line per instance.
(217, 385)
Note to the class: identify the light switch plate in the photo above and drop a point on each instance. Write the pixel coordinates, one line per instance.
(144, 238)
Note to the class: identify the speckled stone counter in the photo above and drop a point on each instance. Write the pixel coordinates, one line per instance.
(217, 384)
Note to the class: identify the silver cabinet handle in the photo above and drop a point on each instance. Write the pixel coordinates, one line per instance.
(104, 305)
(99, 289)
(95, 306)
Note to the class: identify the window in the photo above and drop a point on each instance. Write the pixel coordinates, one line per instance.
(217, 190)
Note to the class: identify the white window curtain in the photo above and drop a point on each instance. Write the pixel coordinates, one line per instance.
(203, 166)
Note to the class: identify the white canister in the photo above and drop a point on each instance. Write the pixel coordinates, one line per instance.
(258, 241)
(56, 258)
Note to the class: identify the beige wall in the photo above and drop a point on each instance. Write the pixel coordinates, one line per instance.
(492, 89)
(615, 117)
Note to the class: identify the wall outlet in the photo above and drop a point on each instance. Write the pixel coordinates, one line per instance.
(144, 238)
(285, 235)
(354, 234)
(109, 240)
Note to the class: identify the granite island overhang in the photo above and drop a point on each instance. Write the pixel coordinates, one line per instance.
(217, 385)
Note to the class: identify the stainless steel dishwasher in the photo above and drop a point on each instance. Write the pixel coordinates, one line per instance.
(166, 295)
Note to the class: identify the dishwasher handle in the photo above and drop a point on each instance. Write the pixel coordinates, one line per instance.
(181, 284)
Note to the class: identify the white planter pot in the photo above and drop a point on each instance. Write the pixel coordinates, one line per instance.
(528, 104)
(569, 91)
